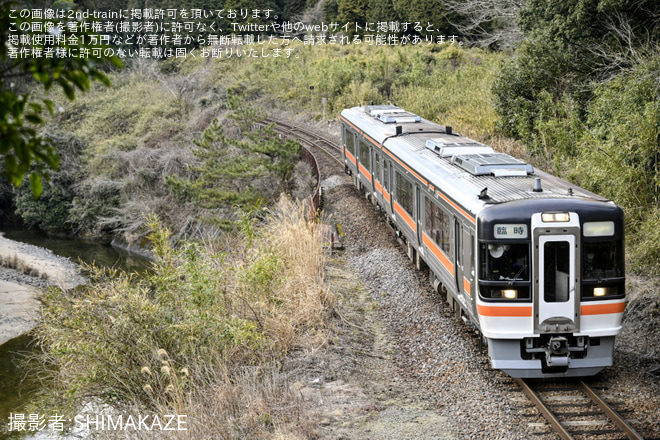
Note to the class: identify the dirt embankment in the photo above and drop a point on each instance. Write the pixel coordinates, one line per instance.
(24, 270)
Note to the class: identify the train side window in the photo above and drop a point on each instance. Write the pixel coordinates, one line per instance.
(386, 175)
(437, 225)
(349, 140)
(378, 170)
(404, 193)
(365, 156)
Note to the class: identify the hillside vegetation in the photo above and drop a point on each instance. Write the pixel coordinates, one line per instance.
(169, 154)
(582, 92)
(204, 334)
(126, 150)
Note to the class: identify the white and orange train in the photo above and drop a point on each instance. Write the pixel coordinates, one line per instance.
(535, 263)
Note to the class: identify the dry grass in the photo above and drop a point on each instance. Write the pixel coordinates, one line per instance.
(14, 262)
(203, 336)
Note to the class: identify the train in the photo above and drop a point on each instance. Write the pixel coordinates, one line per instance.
(534, 263)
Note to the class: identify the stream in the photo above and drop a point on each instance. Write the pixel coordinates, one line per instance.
(17, 386)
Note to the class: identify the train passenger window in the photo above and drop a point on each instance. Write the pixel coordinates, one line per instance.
(505, 262)
(365, 156)
(437, 225)
(350, 141)
(404, 193)
(556, 280)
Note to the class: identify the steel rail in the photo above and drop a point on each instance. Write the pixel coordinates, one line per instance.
(613, 415)
(545, 411)
(312, 138)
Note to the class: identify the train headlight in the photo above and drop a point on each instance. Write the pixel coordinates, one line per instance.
(603, 291)
(600, 291)
(548, 217)
(510, 293)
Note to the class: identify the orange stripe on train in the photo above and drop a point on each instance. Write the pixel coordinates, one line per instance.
(438, 253)
(404, 215)
(505, 311)
(602, 309)
(364, 171)
(350, 156)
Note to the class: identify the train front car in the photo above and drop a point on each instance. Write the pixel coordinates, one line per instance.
(551, 285)
(535, 263)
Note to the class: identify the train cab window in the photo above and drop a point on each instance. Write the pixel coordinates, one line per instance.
(504, 271)
(437, 225)
(602, 270)
(404, 193)
(602, 260)
(505, 262)
(349, 139)
(365, 155)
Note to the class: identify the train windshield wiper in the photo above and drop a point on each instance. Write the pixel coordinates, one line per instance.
(515, 277)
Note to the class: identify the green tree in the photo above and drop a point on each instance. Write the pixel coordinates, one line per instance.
(51, 211)
(238, 173)
(570, 47)
(22, 107)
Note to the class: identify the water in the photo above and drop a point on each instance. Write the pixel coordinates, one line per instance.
(80, 250)
(18, 386)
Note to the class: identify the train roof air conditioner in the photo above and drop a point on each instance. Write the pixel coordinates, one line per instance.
(445, 148)
(496, 164)
(391, 114)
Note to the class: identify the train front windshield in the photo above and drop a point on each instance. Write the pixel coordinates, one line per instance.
(602, 269)
(505, 271)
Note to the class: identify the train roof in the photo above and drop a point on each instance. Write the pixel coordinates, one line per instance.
(470, 172)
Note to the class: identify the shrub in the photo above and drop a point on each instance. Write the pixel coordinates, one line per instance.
(183, 337)
(51, 210)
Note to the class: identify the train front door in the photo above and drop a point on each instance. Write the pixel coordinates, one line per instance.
(556, 270)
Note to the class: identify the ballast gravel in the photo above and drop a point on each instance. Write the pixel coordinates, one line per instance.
(436, 350)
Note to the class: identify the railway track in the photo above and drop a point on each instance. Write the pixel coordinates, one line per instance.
(325, 164)
(310, 138)
(574, 410)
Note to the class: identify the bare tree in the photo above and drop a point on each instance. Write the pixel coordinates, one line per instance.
(624, 47)
(488, 22)
(313, 15)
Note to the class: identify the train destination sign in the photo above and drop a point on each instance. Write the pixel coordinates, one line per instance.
(510, 231)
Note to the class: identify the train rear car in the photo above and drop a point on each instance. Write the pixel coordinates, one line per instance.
(534, 263)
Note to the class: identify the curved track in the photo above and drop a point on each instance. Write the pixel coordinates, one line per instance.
(574, 410)
(309, 137)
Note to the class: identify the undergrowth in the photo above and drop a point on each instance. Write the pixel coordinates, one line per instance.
(194, 335)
